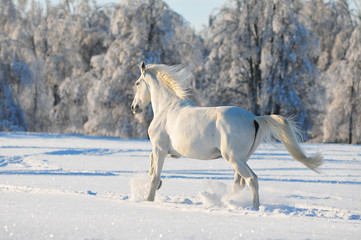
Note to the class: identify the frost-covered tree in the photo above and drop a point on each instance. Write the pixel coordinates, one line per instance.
(81, 35)
(97, 102)
(260, 58)
(42, 49)
(354, 61)
(332, 24)
(17, 60)
(71, 66)
(343, 118)
(11, 114)
(334, 116)
(287, 65)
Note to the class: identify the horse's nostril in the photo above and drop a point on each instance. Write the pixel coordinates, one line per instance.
(135, 108)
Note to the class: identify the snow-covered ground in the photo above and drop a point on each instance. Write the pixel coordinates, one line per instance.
(80, 187)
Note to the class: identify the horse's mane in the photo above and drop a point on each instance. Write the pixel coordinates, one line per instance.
(176, 78)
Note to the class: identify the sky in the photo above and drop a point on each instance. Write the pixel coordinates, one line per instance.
(195, 11)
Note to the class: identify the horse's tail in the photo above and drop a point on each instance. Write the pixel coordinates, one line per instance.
(286, 131)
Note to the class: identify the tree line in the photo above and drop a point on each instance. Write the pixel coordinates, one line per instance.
(71, 67)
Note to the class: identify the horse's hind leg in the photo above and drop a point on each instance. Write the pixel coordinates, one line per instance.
(246, 173)
(239, 182)
(151, 167)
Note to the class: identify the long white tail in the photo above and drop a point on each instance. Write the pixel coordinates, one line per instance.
(285, 130)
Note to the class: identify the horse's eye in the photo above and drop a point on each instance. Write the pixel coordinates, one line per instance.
(137, 83)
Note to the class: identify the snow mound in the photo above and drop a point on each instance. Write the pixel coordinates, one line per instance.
(217, 195)
(139, 187)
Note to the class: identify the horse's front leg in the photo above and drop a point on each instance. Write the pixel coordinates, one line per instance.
(157, 161)
(151, 169)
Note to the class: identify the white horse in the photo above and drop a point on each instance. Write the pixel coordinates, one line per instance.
(180, 128)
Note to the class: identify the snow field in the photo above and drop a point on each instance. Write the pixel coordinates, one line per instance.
(79, 187)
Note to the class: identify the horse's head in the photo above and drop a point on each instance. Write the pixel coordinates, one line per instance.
(142, 95)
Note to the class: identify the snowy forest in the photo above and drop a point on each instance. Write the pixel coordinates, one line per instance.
(70, 67)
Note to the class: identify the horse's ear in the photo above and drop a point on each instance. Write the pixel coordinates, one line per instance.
(142, 67)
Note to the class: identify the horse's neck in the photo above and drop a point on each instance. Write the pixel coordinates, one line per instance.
(162, 99)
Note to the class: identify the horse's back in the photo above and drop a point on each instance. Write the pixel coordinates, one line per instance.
(232, 119)
(235, 114)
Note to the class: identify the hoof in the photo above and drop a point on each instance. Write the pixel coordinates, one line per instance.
(149, 199)
(159, 185)
(255, 208)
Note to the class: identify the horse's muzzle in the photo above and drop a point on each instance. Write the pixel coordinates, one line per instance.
(135, 108)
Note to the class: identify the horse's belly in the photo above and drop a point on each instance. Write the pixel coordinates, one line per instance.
(203, 154)
(206, 154)
(193, 133)
(195, 147)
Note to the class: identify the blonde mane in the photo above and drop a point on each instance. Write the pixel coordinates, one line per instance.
(176, 78)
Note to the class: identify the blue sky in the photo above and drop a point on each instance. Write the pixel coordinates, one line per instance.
(195, 11)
